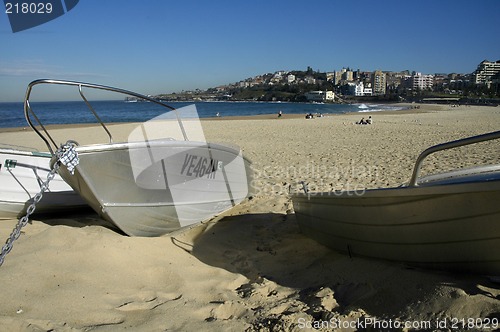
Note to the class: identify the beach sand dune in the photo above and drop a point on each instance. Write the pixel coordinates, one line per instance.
(251, 268)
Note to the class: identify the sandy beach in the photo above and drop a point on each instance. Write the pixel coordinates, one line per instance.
(250, 269)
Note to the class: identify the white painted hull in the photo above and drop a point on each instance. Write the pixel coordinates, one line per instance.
(21, 175)
(446, 225)
(156, 187)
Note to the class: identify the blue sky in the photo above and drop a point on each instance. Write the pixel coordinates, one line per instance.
(157, 46)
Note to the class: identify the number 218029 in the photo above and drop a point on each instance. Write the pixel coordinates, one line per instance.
(28, 8)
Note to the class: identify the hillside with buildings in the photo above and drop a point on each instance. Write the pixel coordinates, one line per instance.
(347, 85)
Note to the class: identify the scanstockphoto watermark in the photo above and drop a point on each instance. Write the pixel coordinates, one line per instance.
(324, 179)
(453, 324)
(364, 323)
(326, 171)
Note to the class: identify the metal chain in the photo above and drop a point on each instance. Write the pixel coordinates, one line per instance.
(62, 153)
(16, 232)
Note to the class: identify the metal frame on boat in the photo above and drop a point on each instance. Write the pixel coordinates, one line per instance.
(146, 186)
(445, 221)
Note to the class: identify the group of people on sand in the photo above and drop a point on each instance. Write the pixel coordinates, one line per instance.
(311, 116)
(365, 122)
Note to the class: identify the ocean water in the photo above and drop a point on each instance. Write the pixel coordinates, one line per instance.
(12, 114)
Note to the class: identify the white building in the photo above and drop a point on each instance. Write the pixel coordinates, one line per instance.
(485, 71)
(367, 90)
(418, 81)
(329, 95)
(277, 78)
(290, 78)
(320, 96)
(359, 89)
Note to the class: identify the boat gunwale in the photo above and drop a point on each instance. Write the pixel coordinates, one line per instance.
(158, 143)
(27, 153)
(404, 191)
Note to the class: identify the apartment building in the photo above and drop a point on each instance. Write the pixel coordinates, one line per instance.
(485, 72)
(344, 75)
(418, 81)
(379, 82)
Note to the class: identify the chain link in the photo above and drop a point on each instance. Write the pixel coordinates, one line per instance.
(16, 232)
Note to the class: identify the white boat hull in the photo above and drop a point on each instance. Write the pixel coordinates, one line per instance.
(156, 187)
(447, 226)
(21, 176)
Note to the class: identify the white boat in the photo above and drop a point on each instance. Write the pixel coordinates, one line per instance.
(22, 173)
(150, 186)
(445, 221)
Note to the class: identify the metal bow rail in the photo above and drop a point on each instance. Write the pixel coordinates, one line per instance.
(33, 120)
(446, 146)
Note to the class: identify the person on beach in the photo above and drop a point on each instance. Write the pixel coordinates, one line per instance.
(280, 114)
(365, 122)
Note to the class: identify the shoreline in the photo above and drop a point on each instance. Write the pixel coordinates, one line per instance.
(408, 110)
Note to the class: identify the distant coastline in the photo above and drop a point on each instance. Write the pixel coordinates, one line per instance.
(356, 86)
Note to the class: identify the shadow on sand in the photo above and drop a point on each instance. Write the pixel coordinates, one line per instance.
(269, 248)
(79, 218)
(289, 273)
